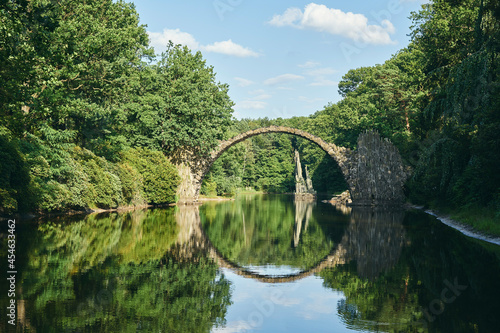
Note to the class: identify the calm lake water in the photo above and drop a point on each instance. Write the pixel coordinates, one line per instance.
(260, 263)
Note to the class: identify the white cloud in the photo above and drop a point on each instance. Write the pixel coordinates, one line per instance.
(288, 18)
(309, 64)
(321, 71)
(320, 76)
(159, 40)
(285, 78)
(243, 82)
(230, 48)
(262, 97)
(322, 82)
(250, 105)
(288, 302)
(254, 103)
(309, 100)
(257, 92)
(336, 22)
(319, 304)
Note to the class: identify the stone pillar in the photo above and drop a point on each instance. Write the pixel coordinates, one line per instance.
(186, 191)
(309, 184)
(303, 188)
(300, 185)
(376, 172)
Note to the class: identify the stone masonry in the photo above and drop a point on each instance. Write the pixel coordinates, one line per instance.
(374, 171)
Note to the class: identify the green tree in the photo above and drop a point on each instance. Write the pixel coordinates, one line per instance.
(178, 105)
(458, 162)
(80, 56)
(160, 178)
(14, 175)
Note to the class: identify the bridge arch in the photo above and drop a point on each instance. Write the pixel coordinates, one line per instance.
(374, 172)
(340, 155)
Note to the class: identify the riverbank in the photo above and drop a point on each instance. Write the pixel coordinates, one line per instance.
(471, 223)
(203, 198)
(88, 211)
(482, 219)
(228, 196)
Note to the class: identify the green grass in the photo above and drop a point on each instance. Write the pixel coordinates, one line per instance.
(485, 220)
(250, 191)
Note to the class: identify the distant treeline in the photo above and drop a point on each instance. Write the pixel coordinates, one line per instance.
(438, 100)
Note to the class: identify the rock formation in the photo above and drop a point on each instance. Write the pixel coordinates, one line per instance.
(303, 188)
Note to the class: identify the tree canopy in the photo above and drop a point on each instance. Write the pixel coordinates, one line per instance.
(90, 116)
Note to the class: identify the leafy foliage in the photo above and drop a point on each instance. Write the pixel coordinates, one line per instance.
(459, 161)
(83, 88)
(67, 97)
(112, 271)
(14, 175)
(177, 104)
(159, 176)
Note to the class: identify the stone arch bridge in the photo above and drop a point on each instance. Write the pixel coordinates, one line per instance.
(374, 171)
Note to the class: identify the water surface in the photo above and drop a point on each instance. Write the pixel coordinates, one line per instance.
(260, 263)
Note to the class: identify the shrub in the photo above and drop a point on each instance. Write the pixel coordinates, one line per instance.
(36, 175)
(132, 184)
(160, 177)
(209, 187)
(107, 188)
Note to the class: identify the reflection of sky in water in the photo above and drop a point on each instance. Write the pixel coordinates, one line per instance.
(301, 306)
(272, 270)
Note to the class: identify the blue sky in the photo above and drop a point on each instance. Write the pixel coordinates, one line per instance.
(281, 59)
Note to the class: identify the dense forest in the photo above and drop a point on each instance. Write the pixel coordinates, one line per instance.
(92, 118)
(437, 100)
(90, 114)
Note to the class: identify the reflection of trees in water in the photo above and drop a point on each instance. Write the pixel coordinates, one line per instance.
(390, 294)
(122, 272)
(373, 281)
(150, 270)
(266, 230)
(191, 242)
(373, 239)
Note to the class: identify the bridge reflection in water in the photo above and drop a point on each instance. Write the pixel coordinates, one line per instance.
(148, 270)
(373, 239)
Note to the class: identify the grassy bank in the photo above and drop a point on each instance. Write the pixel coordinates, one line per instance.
(250, 191)
(485, 220)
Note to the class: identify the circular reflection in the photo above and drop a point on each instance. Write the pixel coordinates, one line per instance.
(276, 239)
(272, 237)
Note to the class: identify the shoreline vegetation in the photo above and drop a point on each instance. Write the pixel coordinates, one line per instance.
(475, 223)
(482, 220)
(85, 127)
